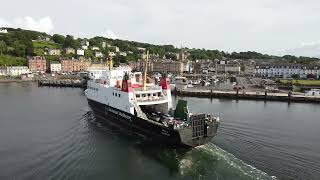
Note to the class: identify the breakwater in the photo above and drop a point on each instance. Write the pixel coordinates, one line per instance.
(62, 83)
(265, 96)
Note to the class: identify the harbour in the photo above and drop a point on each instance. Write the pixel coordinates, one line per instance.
(57, 137)
(258, 96)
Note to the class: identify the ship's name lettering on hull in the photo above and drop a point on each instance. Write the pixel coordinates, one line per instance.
(119, 113)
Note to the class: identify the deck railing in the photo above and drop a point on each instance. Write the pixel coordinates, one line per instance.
(150, 99)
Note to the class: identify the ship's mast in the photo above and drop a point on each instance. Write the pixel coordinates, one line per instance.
(145, 71)
(110, 64)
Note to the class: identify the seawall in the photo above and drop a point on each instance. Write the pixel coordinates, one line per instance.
(264, 96)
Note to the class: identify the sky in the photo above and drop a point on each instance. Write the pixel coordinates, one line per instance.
(269, 26)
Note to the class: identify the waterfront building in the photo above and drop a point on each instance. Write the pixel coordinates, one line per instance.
(17, 70)
(169, 66)
(133, 64)
(74, 65)
(249, 70)
(98, 66)
(3, 71)
(55, 67)
(37, 64)
(287, 71)
(228, 68)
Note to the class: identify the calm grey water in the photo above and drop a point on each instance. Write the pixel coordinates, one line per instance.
(50, 133)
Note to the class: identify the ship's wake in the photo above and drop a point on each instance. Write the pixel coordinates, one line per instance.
(211, 162)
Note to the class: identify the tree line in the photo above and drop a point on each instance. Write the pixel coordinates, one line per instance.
(18, 43)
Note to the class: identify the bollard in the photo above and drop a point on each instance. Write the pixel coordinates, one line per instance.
(265, 95)
(289, 96)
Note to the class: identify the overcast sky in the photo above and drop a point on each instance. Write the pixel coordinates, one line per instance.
(270, 26)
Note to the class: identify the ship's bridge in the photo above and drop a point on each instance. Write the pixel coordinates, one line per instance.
(150, 95)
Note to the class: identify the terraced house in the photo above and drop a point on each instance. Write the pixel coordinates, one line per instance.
(287, 71)
(37, 64)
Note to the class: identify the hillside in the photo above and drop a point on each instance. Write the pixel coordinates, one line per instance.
(23, 43)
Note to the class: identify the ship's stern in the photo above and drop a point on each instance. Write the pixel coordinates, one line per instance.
(202, 129)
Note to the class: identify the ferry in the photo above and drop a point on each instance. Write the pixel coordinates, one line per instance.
(128, 101)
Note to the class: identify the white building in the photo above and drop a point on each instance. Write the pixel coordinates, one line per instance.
(104, 44)
(84, 47)
(54, 52)
(98, 54)
(122, 53)
(3, 71)
(70, 51)
(111, 54)
(80, 52)
(55, 67)
(141, 49)
(17, 70)
(94, 48)
(4, 31)
(228, 68)
(286, 71)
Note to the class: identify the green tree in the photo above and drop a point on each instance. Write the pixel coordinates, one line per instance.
(3, 47)
(69, 42)
(19, 49)
(58, 39)
(295, 76)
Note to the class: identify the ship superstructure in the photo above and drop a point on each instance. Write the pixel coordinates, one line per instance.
(139, 106)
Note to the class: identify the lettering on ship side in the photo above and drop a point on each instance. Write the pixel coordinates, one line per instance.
(165, 132)
(118, 113)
